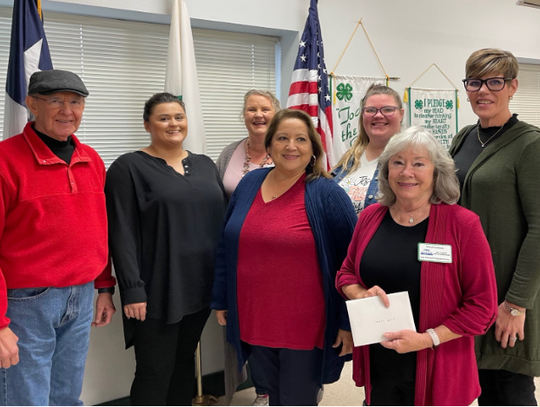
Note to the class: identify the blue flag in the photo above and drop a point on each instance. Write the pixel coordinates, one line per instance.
(29, 52)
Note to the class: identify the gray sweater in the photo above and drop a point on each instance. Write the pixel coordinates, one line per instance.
(225, 156)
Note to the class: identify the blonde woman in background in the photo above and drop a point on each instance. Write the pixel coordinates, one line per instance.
(380, 118)
(245, 155)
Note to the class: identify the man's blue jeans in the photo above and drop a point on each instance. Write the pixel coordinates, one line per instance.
(53, 326)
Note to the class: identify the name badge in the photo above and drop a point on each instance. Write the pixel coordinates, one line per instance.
(435, 253)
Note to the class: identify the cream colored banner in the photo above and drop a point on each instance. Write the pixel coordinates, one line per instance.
(347, 93)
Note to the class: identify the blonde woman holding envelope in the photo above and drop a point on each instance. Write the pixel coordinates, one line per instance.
(418, 240)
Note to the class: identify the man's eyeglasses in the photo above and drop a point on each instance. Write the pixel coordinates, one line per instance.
(57, 103)
(494, 84)
(386, 111)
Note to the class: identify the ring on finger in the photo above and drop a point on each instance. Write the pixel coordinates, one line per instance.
(512, 338)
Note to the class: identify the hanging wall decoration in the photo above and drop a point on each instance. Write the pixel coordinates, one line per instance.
(434, 109)
(347, 94)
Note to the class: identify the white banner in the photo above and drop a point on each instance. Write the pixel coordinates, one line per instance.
(347, 93)
(181, 75)
(435, 110)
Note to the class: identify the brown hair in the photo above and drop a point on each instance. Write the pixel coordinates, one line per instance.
(491, 60)
(315, 169)
(158, 99)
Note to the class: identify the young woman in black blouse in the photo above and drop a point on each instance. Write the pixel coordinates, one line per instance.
(166, 207)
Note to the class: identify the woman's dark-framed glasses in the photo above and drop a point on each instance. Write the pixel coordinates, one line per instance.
(494, 84)
(386, 111)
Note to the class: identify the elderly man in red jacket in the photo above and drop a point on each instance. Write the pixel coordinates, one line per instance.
(53, 248)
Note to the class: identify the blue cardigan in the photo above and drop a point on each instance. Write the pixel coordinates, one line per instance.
(332, 219)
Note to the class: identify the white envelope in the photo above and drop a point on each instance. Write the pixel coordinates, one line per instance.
(370, 319)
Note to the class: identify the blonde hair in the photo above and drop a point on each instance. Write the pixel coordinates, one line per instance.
(267, 94)
(352, 157)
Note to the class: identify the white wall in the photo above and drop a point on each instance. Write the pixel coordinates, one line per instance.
(411, 35)
(408, 36)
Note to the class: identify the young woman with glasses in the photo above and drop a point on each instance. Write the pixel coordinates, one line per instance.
(356, 172)
(498, 166)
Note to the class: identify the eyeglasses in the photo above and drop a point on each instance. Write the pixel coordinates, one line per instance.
(494, 84)
(386, 111)
(58, 103)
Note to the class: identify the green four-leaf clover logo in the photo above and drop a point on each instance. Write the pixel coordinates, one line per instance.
(344, 92)
(418, 104)
(449, 105)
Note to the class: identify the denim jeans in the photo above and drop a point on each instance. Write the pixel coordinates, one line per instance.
(53, 326)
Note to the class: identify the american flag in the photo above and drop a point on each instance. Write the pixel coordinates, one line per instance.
(309, 86)
(28, 53)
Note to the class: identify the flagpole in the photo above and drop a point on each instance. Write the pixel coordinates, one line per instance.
(201, 399)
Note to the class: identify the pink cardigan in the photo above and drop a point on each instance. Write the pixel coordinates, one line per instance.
(461, 296)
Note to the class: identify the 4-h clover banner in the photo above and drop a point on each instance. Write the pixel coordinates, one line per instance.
(435, 110)
(347, 93)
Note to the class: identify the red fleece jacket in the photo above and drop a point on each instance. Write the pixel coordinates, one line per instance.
(461, 296)
(53, 222)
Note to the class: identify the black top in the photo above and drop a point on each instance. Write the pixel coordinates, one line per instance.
(391, 262)
(471, 147)
(62, 149)
(163, 231)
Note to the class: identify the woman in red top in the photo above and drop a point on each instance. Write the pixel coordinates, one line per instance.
(451, 301)
(287, 232)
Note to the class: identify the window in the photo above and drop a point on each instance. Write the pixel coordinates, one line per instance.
(228, 65)
(526, 101)
(123, 63)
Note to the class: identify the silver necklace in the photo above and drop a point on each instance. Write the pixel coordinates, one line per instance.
(248, 159)
(489, 139)
(411, 219)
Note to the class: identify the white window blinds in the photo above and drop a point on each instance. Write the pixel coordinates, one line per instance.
(123, 63)
(526, 101)
(228, 66)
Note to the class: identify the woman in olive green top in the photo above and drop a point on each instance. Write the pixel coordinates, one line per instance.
(498, 162)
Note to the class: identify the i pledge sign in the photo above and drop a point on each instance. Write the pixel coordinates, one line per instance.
(436, 111)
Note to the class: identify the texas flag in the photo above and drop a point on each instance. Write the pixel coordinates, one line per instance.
(29, 52)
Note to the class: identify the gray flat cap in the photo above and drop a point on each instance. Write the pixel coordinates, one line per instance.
(55, 80)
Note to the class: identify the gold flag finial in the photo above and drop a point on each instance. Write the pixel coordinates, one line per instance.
(39, 9)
